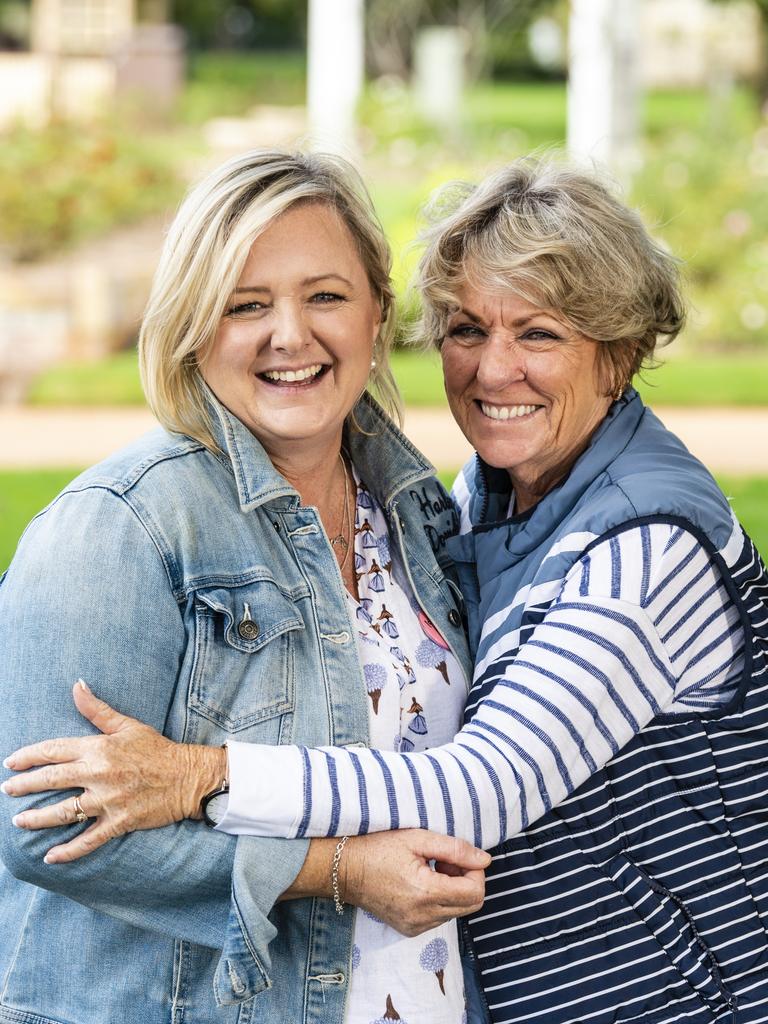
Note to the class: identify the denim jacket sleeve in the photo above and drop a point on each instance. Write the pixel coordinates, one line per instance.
(88, 595)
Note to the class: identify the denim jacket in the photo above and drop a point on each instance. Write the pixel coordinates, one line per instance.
(137, 578)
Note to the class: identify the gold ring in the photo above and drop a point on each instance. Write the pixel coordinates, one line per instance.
(80, 815)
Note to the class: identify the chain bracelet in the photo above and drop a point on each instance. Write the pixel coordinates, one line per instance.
(335, 875)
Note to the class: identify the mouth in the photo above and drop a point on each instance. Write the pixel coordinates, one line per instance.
(507, 412)
(301, 378)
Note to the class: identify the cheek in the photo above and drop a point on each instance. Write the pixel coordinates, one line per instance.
(459, 368)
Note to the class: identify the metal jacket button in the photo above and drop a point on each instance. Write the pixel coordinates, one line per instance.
(247, 629)
(454, 618)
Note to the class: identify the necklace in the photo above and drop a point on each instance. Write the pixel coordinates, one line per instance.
(340, 539)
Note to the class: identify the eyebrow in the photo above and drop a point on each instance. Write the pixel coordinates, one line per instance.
(304, 283)
(519, 322)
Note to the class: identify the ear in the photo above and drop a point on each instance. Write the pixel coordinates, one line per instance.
(379, 317)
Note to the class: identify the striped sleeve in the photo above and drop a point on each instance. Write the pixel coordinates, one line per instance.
(642, 624)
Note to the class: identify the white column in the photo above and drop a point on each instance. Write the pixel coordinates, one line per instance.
(439, 55)
(603, 86)
(335, 70)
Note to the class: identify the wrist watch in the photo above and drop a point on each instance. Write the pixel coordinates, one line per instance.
(214, 805)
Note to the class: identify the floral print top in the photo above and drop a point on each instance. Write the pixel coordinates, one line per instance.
(417, 696)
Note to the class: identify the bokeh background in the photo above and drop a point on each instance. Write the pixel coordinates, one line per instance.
(110, 108)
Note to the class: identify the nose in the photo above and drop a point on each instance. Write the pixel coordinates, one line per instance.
(501, 362)
(290, 331)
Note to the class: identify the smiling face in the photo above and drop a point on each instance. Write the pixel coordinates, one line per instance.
(523, 386)
(293, 350)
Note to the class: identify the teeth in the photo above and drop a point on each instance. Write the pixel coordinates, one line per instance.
(506, 412)
(287, 376)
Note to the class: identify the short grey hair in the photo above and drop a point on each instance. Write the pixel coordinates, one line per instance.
(203, 257)
(559, 237)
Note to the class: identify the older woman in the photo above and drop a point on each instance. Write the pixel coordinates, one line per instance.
(217, 579)
(616, 735)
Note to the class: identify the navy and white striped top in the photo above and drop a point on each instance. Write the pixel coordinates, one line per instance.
(641, 624)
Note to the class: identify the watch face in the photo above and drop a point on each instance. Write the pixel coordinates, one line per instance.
(215, 807)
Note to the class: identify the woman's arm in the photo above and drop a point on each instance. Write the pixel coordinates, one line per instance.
(642, 624)
(134, 778)
(614, 649)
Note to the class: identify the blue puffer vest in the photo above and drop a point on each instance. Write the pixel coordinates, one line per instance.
(644, 896)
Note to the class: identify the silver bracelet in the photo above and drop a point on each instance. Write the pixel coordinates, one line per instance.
(335, 875)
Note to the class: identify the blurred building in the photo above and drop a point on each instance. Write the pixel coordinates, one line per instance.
(685, 43)
(85, 54)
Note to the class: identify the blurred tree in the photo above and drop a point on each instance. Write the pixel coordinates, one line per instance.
(262, 24)
(14, 24)
(496, 31)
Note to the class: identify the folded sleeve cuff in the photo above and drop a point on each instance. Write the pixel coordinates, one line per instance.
(266, 791)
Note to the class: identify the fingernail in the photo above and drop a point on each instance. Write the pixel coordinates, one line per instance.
(9, 762)
(5, 789)
(18, 821)
(83, 685)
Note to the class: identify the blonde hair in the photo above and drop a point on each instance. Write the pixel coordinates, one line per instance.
(204, 254)
(557, 236)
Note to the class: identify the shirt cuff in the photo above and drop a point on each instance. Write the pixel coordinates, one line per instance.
(266, 791)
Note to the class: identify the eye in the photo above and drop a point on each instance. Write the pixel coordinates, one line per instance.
(327, 298)
(466, 333)
(243, 309)
(539, 334)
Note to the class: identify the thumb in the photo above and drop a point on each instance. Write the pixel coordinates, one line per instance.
(451, 850)
(97, 711)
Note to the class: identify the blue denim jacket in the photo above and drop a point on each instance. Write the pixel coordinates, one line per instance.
(136, 578)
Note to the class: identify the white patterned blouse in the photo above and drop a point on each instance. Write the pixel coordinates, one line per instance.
(417, 694)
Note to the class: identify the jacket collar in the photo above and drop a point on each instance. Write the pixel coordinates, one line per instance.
(384, 458)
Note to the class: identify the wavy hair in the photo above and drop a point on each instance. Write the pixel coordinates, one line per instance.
(560, 238)
(203, 257)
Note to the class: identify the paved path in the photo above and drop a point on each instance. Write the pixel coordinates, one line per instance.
(728, 440)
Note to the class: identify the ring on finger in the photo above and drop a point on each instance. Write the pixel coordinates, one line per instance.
(80, 815)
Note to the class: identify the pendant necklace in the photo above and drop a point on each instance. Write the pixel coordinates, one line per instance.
(340, 539)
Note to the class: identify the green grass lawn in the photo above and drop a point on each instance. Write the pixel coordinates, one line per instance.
(24, 492)
(683, 380)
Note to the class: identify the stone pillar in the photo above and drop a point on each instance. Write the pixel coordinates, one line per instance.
(603, 89)
(335, 72)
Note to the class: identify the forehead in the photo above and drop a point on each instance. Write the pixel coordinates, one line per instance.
(504, 303)
(308, 237)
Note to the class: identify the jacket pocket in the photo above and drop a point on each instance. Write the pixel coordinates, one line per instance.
(672, 925)
(243, 671)
(10, 1016)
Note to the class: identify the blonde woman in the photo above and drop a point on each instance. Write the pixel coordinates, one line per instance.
(216, 580)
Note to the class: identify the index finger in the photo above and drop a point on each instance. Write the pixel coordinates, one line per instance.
(458, 894)
(55, 751)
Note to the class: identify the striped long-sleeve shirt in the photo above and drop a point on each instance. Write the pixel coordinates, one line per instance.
(642, 624)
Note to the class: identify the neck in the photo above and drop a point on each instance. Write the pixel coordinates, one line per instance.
(314, 471)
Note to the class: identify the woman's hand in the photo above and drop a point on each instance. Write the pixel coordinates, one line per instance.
(389, 875)
(132, 778)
